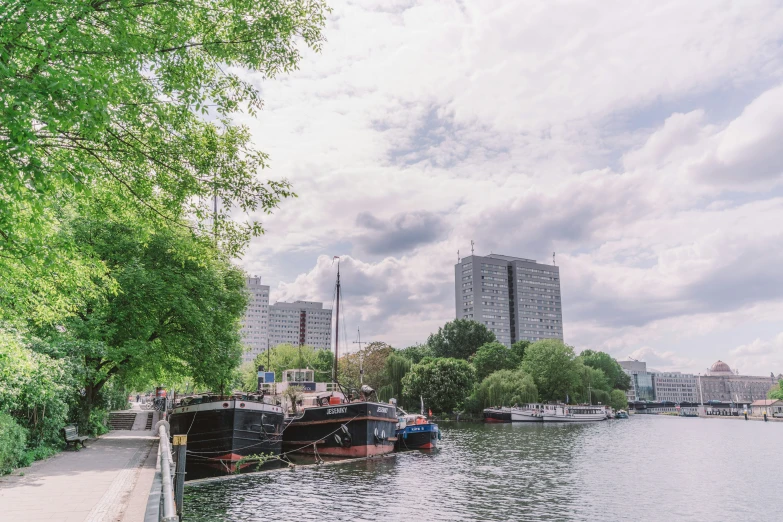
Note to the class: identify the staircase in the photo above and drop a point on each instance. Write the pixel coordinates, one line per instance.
(148, 426)
(121, 420)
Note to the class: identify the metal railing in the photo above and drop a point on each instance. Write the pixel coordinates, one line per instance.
(161, 505)
(167, 470)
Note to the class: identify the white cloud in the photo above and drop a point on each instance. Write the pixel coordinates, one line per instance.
(760, 356)
(600, 132)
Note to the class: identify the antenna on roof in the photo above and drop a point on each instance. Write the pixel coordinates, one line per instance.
(553, 259)
(471, 247)
(457, 256)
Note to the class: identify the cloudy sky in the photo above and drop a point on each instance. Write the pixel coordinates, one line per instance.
(641, 141)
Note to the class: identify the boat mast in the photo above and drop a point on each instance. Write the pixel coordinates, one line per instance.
(337, 324)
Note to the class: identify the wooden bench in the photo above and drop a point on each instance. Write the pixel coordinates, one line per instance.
(71, 433)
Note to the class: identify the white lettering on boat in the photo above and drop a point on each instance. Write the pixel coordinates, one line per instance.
(332, 411)
(382, 410)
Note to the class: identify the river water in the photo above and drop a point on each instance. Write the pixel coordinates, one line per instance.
(643, 468)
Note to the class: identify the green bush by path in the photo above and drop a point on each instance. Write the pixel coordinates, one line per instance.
(13, 439)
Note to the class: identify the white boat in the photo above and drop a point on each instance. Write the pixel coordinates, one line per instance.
(568, 413)
(528, 413)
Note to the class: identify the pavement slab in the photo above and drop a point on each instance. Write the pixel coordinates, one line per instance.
(96, 483)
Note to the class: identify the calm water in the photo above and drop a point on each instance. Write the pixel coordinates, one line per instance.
(643, 468)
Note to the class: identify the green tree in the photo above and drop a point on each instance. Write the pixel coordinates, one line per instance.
(492, 357)
(553, 368)
(459, 339)
(618, 400)
(112, 93)
(603, 361)
(518, 351)
(372, 359)
(777, 391)
(591, 379)
(176, 308)
(416, 353)
(506, 388)
(395, 368)
(443, 383)
(289, 357)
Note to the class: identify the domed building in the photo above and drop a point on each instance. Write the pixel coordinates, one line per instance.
(720, 368)
(726, 385)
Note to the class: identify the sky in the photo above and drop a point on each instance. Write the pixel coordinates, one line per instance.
(640, 141)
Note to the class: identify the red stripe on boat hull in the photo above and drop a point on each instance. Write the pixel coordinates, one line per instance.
(370, 450)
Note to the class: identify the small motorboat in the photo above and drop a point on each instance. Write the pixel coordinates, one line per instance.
(415, 431)
(621, 414)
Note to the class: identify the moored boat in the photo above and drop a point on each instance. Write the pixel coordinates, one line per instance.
(528, 413)
(222, 430)
(497, 415)
(325, 421)
(416, 432)
(571, 413)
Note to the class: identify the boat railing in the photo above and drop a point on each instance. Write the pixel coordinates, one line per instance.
(275, 388)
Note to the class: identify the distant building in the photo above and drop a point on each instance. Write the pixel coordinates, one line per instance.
(772, 407)
(675, 387)
(724, 385)
(255, 324)
(516, 298)
(300, 323)
(642, 384)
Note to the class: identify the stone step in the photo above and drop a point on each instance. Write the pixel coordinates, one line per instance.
(148, 426)
(121, 421)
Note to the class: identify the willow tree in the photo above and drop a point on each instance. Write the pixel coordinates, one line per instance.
(136, 98)
(506, 388)
(396, 368)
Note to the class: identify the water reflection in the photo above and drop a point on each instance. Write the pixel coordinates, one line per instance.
(647, 468)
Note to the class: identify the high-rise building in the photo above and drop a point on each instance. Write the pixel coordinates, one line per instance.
(255, 324)
(300, 322)
(516, 298)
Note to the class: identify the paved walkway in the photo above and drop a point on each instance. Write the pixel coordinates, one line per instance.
(108, 481)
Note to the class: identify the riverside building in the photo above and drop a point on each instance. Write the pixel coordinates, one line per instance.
(726, 385)
(675, 387)
(255, 324)
(515, 298)
(642, 386)
(300, 323)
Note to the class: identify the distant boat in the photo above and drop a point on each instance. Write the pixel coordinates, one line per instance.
(497, 415)
(621, 414)
(568, 413)
(528, 413)
(415, 431)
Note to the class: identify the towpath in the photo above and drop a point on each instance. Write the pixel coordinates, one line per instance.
(108, 481)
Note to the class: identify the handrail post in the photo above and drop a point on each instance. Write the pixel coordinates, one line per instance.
(180, 452)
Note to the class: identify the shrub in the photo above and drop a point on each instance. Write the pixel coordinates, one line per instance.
(33, 389)
(98, 422)
(13, 439)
